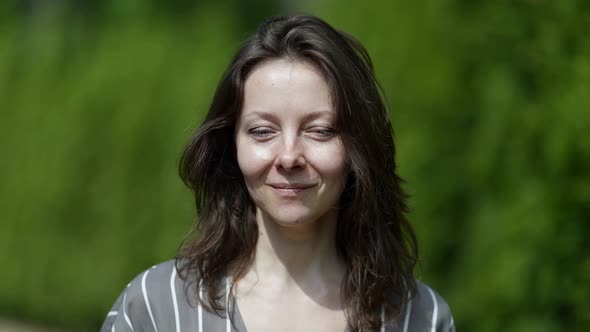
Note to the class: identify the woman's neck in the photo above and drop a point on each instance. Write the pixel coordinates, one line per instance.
(302, 255)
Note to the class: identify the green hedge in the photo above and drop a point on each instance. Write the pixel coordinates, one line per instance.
(93, 129)
(490, 103)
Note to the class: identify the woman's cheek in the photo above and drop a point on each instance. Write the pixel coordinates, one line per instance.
(254, 159)
(331, 159)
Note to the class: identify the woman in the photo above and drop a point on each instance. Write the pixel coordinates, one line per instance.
(301, 213)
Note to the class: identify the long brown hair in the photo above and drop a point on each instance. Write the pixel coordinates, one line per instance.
(373, 235)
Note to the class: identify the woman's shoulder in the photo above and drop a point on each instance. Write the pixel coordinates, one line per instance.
(156, 281)
(148, 298)
(427, 311)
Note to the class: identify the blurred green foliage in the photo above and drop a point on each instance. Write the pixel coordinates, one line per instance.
(490, 102)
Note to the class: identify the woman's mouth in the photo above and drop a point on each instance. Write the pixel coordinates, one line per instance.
(291, 190)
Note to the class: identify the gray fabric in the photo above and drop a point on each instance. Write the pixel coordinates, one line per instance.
(160, 291)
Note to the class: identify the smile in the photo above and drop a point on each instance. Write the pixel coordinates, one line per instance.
(291, 190)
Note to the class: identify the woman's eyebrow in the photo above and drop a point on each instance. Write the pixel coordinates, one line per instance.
(269, 116)
(318, 114)
(273, 117)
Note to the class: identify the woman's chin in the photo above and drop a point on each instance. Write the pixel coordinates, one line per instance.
(292, 221)
(300, 220)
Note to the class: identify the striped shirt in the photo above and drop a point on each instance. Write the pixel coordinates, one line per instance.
(157, 300)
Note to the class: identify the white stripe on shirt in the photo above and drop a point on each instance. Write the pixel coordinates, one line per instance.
(147, 301)
(434, 309)
(227, 323)
(200, 308)
(408, 312)
(174, 302)
(125, 313)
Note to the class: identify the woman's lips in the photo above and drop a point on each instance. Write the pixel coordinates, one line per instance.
(292, 190)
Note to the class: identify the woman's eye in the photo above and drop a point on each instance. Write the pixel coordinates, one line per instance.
(323, 132)
(260, 132)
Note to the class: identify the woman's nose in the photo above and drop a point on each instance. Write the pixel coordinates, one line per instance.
(290, 154)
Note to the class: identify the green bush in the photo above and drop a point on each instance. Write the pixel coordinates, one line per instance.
(91, 133)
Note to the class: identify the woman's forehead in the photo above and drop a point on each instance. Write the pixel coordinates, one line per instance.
(283, 74)
(287, 86)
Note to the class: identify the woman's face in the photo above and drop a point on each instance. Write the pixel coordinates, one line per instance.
(292, 159)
